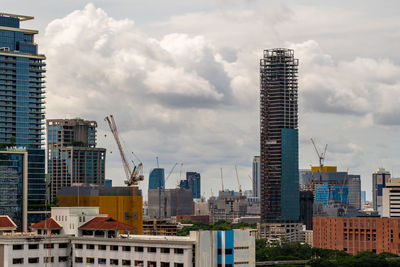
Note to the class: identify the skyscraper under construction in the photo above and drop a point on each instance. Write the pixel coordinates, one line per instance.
(279, 136)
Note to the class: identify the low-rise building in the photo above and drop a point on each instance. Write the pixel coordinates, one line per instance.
(391, 199)
(276, 233)
(357, 234)
(160, 227)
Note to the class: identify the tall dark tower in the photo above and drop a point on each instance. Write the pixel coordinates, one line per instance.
(279, 136)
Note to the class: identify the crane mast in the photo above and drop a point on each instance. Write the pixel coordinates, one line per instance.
(132, 176)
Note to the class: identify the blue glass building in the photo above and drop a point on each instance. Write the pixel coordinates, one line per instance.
(156, 178)
(22, 104)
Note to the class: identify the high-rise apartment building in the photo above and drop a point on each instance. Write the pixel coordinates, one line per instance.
(22, 104)
(156, 178)
(391, 199)
(256, 176)
(72, 154)
(279, 170)
(379, 180)
(192, 182)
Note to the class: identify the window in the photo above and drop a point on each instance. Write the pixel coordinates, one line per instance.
(151, 264)
(126, 263)
(164, 250)
(178, 250)
(18, 247)
(90, 260)
(138, 263)
(115, 248)
(33, 246)
(126, 248)
(89, 246)
(102, 247)
(48, 245)
(113, 262)
(164, 264)
(78, 259)
(62, 259)
(102, 261)
(18, 261)
(219, 252)
(228, 251)
(152, 250)
(140, 249)
(78, 246)
(178, 264)
(48, 259)
(63, 245)
(33, 260)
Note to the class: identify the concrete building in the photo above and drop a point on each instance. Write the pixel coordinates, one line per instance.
(192, 182)
(72, 154)
(256, 176)
(277, 233)
(124, 204)
(156, 178)
(160, 227)
(391, 199)
(279, 170)
(14, 186)
(379, 179)
(22, 104)
(363, 198)
(306, 208)
(230, 206)
(357, 234)
(165, 203)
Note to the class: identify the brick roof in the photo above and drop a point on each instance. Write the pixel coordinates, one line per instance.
(105, 223)
(49, 223)
(6, 222)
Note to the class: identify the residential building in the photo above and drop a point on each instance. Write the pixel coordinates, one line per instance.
(165, 203)
(192, 182)
(391, 199)
(379, 179)
(22, 104)
(357, 234)
(72, 154)
(256, 176)
(156, 178)
(124, 203)
(279, 170)
(308, 237)
(14, 186)
(231, 206)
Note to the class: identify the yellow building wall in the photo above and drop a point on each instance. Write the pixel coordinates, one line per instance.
(126, 209)
(324, 169)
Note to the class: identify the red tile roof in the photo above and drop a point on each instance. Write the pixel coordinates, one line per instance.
(49, 223)
(105, 223)
(6, 222)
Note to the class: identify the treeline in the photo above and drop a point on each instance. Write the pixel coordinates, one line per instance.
(322, 257)
(220, 225)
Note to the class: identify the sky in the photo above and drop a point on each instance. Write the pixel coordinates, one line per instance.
(182, 80)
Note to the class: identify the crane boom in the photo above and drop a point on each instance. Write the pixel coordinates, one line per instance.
(132, 176)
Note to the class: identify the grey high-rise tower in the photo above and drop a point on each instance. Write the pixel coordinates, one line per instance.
(279, 136)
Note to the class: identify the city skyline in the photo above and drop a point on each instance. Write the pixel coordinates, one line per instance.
(222, 129)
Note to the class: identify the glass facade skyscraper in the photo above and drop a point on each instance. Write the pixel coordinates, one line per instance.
(279, 170)
(156, 178)
(22, 104)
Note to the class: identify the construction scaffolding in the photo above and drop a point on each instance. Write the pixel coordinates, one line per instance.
(278, 83)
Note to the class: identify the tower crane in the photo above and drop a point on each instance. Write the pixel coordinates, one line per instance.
(237, 177)
(321, 155)
(133, 176)
(222, 182)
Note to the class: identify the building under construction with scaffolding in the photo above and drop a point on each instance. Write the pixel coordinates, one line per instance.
(279, 136)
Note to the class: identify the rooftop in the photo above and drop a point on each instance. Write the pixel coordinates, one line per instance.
(20, 17)
(105, 223)
(49, 223)
(6, 222)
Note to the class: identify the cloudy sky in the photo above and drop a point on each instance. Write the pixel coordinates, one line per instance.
(182, 79)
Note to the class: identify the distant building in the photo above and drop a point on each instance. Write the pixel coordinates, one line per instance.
(159, 227)
(256, 176)
(306, 208)
(194, 218)
(156, 178)
(108, 182)
(231, 207)
(279, 148)
(124, 203)
(357, 234)
(72, 154)
(363, 197)
(192, 182)
(379, 180)
(22, 104)
(278, 233)
(165, 203)
(391, 199)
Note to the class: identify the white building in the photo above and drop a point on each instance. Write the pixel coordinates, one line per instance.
(391, 199)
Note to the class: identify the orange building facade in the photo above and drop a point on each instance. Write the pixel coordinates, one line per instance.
(357, 234)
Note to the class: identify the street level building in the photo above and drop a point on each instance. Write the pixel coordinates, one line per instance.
(22, 104)
(357, 234)
(379, 180)
(279, 174)
(72, 154)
